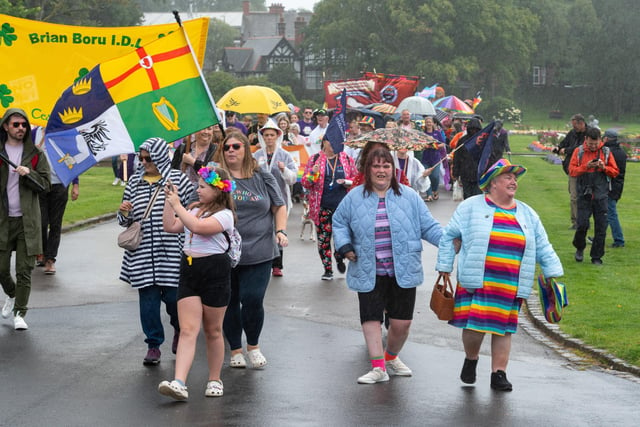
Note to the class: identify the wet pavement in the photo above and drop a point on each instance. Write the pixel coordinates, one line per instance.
(80, 363)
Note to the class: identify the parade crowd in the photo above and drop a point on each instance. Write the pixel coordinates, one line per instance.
(198, 197)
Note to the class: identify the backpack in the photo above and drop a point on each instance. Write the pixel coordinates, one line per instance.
(235, 246)
(605, 151)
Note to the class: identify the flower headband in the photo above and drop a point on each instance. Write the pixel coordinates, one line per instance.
(210, 176)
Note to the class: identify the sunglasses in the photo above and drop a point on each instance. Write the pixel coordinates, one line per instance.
(19, 124)
(145, 158)
(235, 147)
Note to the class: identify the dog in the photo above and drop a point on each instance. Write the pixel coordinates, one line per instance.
(306, 221)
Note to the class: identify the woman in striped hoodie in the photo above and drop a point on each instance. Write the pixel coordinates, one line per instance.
(154, 267)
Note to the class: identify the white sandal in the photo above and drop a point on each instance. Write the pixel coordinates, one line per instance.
(214, 389)
(256, 358)
(238, 361)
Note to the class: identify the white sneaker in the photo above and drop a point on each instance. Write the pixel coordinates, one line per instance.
(214, 389)
(19, 324)
(173, 389)
(7, 309)
(115, 181)
(398, 367)
(376, 375)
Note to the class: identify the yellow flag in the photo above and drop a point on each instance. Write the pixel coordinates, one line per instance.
(40, 60)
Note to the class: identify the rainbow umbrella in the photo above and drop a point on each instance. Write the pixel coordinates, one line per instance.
(453, 104)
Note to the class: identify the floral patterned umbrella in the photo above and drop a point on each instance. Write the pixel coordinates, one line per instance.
(395, 138)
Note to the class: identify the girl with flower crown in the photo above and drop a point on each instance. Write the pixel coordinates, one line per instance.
(205, 274)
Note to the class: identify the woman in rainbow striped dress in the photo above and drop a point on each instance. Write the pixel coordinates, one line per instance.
(502, 240)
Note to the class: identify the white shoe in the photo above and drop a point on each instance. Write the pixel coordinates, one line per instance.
(173, 389)
(214, 389)
(7, 309)
(256, 358)
(123, 183)
(238, 361)
(19, 324)
(115, 181)
(398, 367)
(376, 375)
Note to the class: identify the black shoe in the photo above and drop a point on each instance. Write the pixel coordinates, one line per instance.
(618, 245)
(152, 358)
(341, 267)
(596, 261)
(174, 344)
(468, 374)
(499, 381)
(579, 256)
(327, 276)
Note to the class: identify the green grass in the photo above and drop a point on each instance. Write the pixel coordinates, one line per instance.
(604, 301)
(97, 196)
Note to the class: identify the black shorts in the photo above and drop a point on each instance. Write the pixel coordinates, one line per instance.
(208, 278)
(387, 295)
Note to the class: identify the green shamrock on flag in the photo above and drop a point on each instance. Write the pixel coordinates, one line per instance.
(5, 96)
(7, 34)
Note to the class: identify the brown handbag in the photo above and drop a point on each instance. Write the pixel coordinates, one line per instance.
(442, 298)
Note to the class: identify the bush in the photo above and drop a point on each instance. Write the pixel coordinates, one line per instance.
(500, 108)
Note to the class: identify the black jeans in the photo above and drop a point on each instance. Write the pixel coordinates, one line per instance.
(52, 206)
(586, 208)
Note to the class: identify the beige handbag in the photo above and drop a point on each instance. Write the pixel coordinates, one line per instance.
(130, 238)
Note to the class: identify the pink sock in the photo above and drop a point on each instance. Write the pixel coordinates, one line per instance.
(378, 362)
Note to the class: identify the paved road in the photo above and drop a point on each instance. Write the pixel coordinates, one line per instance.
(80, 362)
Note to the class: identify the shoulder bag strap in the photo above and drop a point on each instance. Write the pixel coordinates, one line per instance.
(147, 211)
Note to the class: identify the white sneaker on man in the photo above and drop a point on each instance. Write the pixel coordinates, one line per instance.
(7, 309)
(376, 375)
(19, 324)
(398, 367)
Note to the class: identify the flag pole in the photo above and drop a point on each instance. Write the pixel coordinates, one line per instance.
(176, 14)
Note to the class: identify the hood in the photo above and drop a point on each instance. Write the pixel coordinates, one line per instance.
(10, 112)
(270, 124)
(159, 151)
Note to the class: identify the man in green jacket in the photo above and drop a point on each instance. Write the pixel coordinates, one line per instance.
(20, 222)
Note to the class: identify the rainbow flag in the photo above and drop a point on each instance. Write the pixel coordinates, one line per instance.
(157, 90)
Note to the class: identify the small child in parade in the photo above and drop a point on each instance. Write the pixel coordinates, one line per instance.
(205, 275)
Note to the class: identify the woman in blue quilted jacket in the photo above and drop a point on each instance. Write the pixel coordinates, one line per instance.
(502, 240)
(379, 227)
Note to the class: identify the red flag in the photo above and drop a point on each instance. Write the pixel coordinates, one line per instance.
(391, 88)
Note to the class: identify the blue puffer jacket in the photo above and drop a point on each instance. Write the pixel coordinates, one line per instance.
(472, 222)
(410, 221)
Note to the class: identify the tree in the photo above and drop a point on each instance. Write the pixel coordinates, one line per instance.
(483, 42)
(220, 35)
(615, 67)
(98, 13)
(16, 8)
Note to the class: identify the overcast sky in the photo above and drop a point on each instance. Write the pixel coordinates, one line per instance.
(294, 4)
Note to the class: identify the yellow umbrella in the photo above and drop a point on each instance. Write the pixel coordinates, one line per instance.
(252, 99)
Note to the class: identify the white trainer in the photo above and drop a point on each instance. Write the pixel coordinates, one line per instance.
(173, 389)
(376, 375)
(19, 324)
(7, 309)
(398, 367)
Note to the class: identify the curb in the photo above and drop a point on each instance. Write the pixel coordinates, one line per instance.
(87, 222)
(535, 315)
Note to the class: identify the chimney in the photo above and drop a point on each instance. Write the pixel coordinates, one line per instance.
(246, 7)
(276, 8)
(281, 27)
(299, 26)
